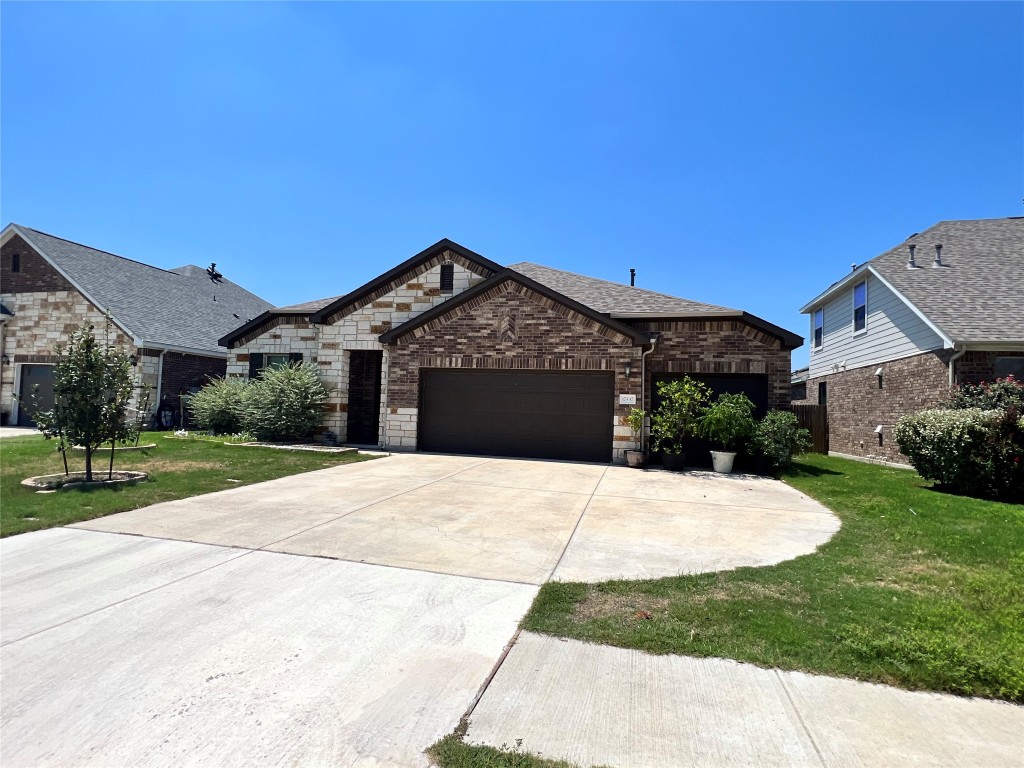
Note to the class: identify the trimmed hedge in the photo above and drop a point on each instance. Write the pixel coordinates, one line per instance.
(284, 403)
(217, 406)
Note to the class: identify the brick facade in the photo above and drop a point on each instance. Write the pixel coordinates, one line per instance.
(546, 337)
(35, 275)
(975, 367)
(858, 401)
(718, 346)
(183, 373)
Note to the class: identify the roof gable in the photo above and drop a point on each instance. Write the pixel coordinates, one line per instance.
(480, 293)
(976, 296)
(440, 251)
(180, 308)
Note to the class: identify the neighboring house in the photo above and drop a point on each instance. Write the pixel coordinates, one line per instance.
(168, 320)
(893, 336)
(798, 388)
(452, 352)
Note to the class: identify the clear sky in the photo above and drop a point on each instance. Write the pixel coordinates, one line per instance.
(739, 154)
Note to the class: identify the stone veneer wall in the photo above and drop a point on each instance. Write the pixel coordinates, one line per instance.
(718, 346)
(357, 329)
(857, 404)
(548, 336)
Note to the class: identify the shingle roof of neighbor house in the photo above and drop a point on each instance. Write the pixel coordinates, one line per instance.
(977, 295)
(181, 307)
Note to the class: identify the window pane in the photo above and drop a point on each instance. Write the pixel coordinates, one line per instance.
(1006, 366)
(859, 319)
(860, 295)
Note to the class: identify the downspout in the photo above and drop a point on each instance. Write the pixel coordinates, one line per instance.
(160, 380)
(643, 382)
(952, 365)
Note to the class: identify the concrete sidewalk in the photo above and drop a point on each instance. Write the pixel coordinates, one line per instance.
(598, 705)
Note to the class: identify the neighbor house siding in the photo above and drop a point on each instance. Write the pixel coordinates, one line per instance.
(893, 331)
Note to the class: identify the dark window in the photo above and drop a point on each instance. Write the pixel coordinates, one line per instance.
(1010, 366)
(819, 323)
(447, 278)
(860, 306)
(15, 262)
(822, 393)
(259, 362)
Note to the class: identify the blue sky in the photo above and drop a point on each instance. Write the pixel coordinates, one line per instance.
(739, 154)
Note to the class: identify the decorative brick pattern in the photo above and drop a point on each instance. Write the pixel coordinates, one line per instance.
(718, 346)
(548, 338)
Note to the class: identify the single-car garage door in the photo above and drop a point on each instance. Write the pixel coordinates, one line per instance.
(36, 391)
(534, 414)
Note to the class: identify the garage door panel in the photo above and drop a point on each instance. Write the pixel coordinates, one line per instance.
(533, 414)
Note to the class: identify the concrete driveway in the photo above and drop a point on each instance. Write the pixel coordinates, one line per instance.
(348, 616)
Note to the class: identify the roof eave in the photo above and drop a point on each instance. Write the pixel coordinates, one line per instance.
(229, 339)
(321, 315)
(837, 286)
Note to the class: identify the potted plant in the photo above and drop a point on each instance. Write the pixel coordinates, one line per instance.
(682, 403)
(635, 457)
(726, 422)
(778, 437)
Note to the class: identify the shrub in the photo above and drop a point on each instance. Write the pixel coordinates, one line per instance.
(285, 403)
(779, 437)
(972, 451)
(682, 404)
(217, 406)
(998, 394)
(728, 420)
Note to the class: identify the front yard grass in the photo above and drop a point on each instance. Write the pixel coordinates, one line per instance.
(177, 469)
(919, 589)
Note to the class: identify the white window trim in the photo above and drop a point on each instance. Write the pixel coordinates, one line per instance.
(853, 299)
(814, 315)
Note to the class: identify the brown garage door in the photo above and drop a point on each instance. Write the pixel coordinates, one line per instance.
(36, 391)
(534, 414)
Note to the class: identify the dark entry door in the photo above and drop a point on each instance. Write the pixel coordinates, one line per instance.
(534, 414)
(33, 376)
(753, 385)
(364, 396)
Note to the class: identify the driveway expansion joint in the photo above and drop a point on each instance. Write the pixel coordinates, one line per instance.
(800, 717)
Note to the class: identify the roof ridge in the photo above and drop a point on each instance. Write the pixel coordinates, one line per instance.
(97, 250)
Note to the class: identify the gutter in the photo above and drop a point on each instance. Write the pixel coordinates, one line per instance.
(643, 381)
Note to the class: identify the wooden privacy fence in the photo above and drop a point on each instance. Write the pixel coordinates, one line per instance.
(815, 419)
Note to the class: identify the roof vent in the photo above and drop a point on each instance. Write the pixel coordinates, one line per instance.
(632, 277)
(213, 273)
(853, 267)
(938, 255)
(910, 262)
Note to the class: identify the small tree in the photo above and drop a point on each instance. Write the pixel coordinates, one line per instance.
(682, 404)
(92, 388)
(729, 420)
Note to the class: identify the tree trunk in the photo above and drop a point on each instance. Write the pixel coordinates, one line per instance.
(88, 463)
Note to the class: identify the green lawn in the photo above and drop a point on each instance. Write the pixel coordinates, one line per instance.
(177, 468)
(919, 589)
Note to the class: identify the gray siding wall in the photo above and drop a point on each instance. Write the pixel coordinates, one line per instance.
(893, 332)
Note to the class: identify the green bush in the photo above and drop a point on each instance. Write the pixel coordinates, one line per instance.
(779, 437)
(217, 406)
(727, 421)
(972, 451)
(285, 403)
(682, 404)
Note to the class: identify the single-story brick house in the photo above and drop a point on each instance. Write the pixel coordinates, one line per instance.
(893, 336)
(169, 320)
(451, 352)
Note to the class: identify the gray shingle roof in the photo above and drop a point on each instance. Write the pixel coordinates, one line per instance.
(182, 307)
(306, 306)
(978, 293)
(611, 298)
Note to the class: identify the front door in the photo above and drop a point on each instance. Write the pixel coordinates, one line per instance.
(36, 393)
(364, 396)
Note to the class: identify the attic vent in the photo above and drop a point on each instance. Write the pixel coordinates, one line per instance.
(938, 255)
(910, 262)
(447, 278)
(213, 273)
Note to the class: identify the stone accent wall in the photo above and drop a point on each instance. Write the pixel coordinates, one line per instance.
(857, 404)
(36, 275)
(41, 321)
(718, 346)
(546, 337)
(353, 329)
